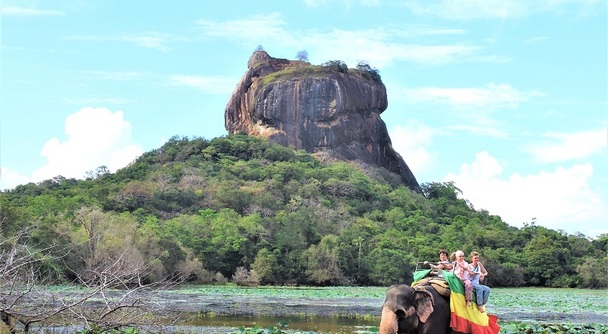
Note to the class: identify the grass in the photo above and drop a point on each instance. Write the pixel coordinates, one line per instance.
(314, 71)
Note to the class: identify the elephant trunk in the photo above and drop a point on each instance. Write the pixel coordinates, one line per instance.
(388, 322)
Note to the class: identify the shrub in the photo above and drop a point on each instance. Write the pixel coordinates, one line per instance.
(592, 273)
(220, 278)
(336, 65)
(241, 276)
(368, 72)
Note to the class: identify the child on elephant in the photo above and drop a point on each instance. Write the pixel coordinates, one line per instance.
(481, 291)
(462, 269)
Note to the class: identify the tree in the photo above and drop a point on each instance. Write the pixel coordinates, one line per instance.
(118, 299)
(20, 269)
(435, 190)
(593, 274)
(545, 261)
(264, 265)
(324, 262)
(356, 246)
(336, 65)
(367, 71)
(196, 207)
(9, 217)
(302, 55)
(99, 172)
(109, 244)
(388, 259)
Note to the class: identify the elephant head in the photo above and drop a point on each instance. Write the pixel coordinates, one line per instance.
(405, 309)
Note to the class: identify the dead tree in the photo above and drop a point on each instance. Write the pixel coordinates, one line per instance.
(112, 296)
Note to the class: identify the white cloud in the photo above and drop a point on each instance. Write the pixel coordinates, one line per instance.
(411, 140)
(267, 28)
(207, 84)
(536, 40)
(561, 199)
(95, 100)
(24, 11)
(9, 179)
(116, 75)
(458, 9)
(498, 9)
(152, 40)
(492, 96)
(378, 46)
(480, 130)
(95, 137)
(346, 3)
(568, 146)
(469, 109)
(382, 46)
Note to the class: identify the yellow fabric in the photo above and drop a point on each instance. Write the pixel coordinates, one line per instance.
(458, 305)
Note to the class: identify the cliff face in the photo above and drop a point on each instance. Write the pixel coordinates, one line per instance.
(315, 109)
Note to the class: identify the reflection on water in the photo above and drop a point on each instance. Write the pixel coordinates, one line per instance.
(317, 324)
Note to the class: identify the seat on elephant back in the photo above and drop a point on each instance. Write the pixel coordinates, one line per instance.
(463, 319)
(438, 283)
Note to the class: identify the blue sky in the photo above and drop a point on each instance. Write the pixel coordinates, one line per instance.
(506, 98)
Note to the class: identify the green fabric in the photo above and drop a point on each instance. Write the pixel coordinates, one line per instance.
(454, 282)
(456, 285)
(418, 275)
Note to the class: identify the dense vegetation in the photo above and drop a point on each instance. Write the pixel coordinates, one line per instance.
(241, 208)
(363, 70)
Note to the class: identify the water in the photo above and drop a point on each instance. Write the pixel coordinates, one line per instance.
(317, 324)
(227, 324)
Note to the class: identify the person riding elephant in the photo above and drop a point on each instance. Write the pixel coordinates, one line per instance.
(417, 309)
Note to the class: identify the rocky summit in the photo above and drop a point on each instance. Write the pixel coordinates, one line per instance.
(326, 108)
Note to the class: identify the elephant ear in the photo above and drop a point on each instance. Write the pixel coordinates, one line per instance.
(424, 304)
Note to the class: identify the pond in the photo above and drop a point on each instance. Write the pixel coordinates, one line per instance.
(222, 309)
(357, 309)
(329, 310)
(317, 324)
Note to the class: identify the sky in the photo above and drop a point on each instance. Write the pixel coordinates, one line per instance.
(505, 98)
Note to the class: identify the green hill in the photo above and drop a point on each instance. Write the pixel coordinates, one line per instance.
(241, 208)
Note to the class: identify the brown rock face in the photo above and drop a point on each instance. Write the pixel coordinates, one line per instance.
(316, 108)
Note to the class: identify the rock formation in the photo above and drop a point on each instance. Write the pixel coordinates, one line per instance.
(316, 108)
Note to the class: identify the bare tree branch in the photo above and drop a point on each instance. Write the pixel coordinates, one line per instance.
(114, 293)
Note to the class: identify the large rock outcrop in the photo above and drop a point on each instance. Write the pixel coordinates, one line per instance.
(316, 108)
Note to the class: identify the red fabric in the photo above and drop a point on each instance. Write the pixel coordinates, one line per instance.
(462, 325)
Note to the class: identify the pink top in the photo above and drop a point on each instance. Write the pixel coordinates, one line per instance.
(461, 272)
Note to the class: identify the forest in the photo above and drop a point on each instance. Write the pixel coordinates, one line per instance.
(239, 208)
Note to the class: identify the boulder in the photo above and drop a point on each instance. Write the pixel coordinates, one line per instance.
(326, 108)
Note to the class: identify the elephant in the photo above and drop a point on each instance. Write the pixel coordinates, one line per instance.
(415, 310)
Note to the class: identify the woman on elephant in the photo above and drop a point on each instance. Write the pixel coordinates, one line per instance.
(481, 291)
(462, 270)
(443, 264)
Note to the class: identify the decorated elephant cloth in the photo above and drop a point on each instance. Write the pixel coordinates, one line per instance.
(439, 284)
(468, 319)
(420, 274)
(464, 319)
